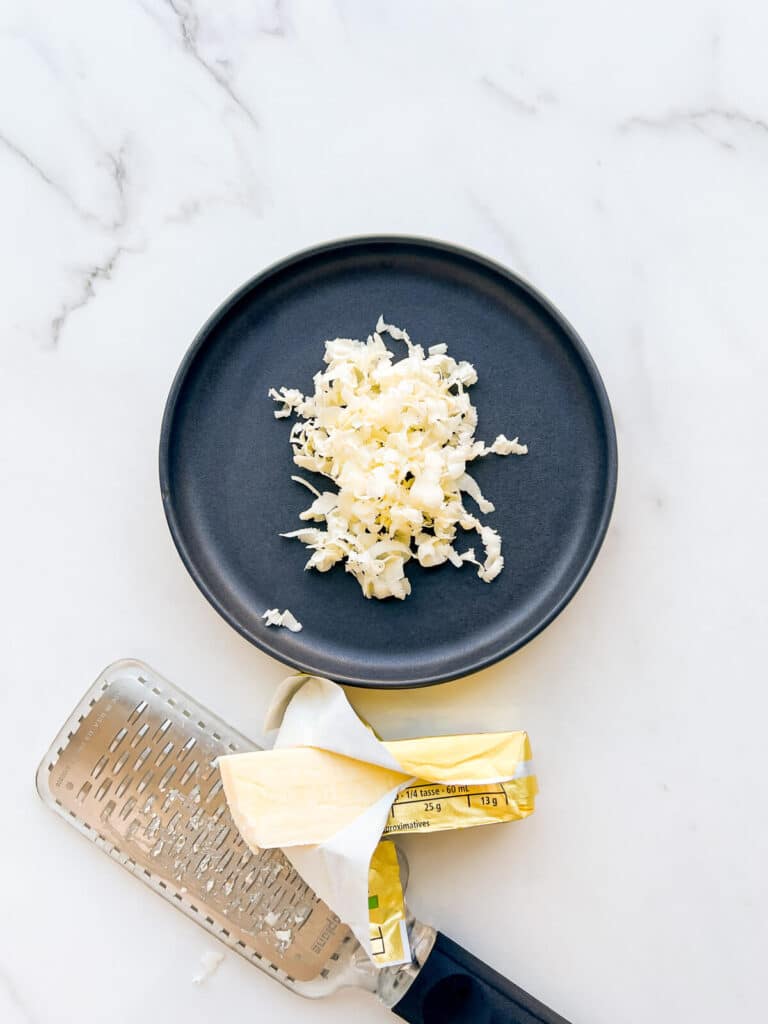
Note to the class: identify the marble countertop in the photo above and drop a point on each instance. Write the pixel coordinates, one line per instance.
(153, 155)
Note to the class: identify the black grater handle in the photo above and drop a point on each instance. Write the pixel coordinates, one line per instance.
(454, 987)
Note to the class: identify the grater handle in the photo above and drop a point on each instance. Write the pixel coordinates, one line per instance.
(454, 987)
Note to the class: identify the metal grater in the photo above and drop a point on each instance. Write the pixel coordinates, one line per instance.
(134, 770)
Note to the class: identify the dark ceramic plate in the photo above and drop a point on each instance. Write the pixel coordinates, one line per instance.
(225, 461)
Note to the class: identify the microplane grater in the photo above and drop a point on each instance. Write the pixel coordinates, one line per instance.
(134, 770)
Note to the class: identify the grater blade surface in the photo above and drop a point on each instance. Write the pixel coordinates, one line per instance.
(133, 769)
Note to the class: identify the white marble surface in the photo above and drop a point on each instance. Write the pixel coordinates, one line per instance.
(154, 155)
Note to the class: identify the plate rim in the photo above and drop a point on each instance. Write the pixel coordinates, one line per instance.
(436, 245)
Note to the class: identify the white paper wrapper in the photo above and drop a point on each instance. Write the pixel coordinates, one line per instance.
(313, 712)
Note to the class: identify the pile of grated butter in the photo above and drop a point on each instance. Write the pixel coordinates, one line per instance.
(395, 437)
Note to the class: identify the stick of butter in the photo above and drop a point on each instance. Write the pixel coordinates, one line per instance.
(300, 795)
(304, 795)
(330, 788)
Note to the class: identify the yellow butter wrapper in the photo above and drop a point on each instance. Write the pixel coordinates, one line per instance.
(435, 805)
(426, 807)
(469, 758)
(386, 908)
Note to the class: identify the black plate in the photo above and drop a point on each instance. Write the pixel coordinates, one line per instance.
(225, 461)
